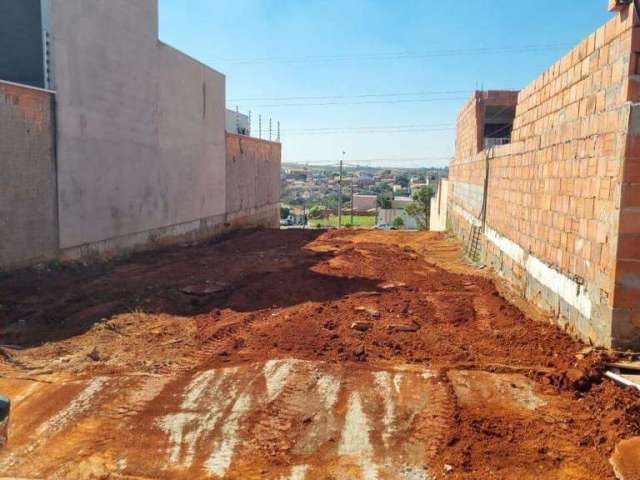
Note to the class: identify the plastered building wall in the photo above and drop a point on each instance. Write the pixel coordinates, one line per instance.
(552, 222)
(141, 141)
(28, 217)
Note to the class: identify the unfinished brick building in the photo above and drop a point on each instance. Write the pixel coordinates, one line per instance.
(548, 181)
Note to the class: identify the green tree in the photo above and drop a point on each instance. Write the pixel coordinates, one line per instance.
(420, 207)
(315, 212)
(381, 188)
(384, 202)
(284, 212)
(398, 222)
(331, 200)
(402, 180)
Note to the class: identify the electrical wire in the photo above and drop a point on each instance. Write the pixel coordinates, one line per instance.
(371, 102)
(395, 55)
(369, 132)
(416, 125)
(367, 95)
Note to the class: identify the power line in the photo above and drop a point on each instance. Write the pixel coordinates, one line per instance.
(351, 132)
(373, 127)
(418, 100)
(397, 55)
(367, 95)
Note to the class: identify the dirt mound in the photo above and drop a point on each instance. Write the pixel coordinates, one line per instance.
(365, 298)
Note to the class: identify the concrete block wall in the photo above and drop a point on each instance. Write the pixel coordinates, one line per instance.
(554, 196)
(252, 181)
(28, 198)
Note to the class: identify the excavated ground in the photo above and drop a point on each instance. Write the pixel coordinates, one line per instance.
(298, 354)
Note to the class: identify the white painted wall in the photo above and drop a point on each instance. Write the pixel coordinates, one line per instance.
(401, 202)
(236, 122)
(387, 216)
(438, 212)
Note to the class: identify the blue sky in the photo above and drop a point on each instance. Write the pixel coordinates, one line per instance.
(273, 50)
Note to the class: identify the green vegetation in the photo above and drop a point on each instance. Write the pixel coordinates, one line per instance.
(315, 211)
(402, 180)
(398, 222)
(420, 208)
(331, 200)
(384, 202)
(359, 221)
(284, 212)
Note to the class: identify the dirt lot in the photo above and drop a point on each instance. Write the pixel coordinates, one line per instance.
(297, 354)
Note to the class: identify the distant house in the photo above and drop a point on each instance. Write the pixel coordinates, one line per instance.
(386, 216)
(365, 179)
(236, 122)
(417, 186)
(363, 203)
(399, 190)
(299, 174)
(398, 210)
(400, 202)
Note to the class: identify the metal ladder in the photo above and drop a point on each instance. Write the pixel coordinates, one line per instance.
(473, 246)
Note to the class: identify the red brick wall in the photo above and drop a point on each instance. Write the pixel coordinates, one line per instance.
(34, 105)
(28, 197)
(468, 133)
(627, 279)
(252, 181)
(556, 190)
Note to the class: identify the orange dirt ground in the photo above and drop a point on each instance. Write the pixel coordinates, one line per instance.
(98, 357)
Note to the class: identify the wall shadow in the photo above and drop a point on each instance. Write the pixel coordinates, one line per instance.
(244, 271)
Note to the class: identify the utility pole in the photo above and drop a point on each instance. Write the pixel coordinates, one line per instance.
(340, 195)
(352, 202)
(237, 120)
